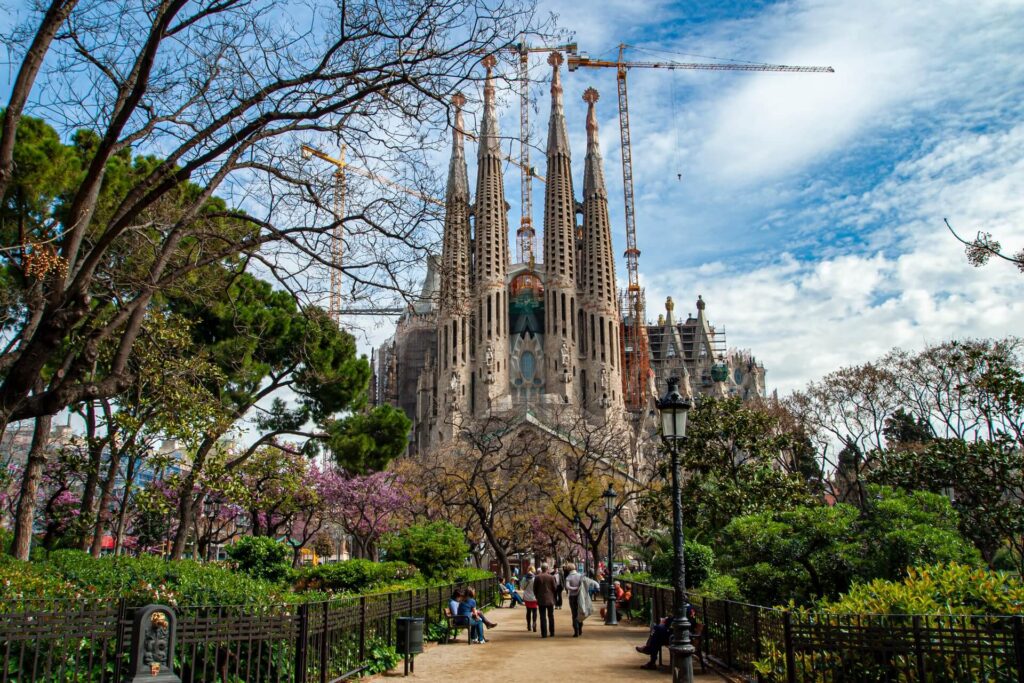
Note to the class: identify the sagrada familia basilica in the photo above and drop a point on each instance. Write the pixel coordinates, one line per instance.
(489, 336)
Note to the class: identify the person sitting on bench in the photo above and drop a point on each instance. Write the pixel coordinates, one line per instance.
(661, 634)
(658, 638)
(453, 606)
(514, 597)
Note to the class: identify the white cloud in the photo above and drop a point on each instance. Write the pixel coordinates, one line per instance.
(804, 319)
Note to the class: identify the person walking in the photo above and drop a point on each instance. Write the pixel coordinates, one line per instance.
(544, 589)
(573, 581)
(584, 603)
(526, 587)
(557, 573)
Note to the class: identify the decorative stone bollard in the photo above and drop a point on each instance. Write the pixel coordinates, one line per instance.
(153, 631)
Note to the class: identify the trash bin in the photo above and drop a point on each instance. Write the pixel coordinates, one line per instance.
(410, 635)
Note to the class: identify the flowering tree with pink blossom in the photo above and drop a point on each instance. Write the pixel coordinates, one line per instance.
(369, 506)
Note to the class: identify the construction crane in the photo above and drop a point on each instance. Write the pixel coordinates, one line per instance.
(334, 308)
(636, 361)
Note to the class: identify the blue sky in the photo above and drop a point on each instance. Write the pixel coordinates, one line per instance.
(809, 213)
(809, 210)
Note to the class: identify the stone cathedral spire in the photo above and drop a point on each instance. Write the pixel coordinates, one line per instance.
(453, 330)
(490, 376)
(560, 304)
(600, 311)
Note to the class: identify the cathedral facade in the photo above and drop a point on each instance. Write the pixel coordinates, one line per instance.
(492, 337)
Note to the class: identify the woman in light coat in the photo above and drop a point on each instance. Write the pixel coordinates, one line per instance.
(585, 605)
(529, 598)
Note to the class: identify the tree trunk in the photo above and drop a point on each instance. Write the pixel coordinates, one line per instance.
(105, 495)
(122, 513)
(92, 477)
(26, 513)
(186, 499)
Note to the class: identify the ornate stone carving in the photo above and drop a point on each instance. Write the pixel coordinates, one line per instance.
(153, 645)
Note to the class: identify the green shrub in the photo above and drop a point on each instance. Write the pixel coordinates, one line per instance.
(939, 589)
(436, 549)
(699, 560)
(721, 587)
(467, 574)
(946, 591)
(261, 558)
(149, 578)
(380, 657)
(354, 576)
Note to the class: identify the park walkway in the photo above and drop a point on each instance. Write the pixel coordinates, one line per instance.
(515, 655)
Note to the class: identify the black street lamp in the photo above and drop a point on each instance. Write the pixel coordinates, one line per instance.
(673, 409)
(611, 619)
(577, 526)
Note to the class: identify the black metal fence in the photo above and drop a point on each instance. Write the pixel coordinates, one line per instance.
(88, 641)
(782, 646)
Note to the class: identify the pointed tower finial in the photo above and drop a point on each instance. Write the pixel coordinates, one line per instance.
(593, 171)
(558, 136)
(591, 96)
(489, 128)
(458, 101)
(458, 180)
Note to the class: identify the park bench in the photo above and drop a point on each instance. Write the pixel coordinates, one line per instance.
(454, 627)
(505, 595)
(696, 638)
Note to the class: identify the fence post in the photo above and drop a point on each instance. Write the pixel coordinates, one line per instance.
(918, 650)
(1018, 645)
(705, 642)
(787, 636)
(757, 636)
(362, 629)
(391, 614)
(323, 644)
(728, 635)
(301, 644)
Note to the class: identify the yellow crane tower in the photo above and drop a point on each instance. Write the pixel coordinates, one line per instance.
(636, 362)
(334, 307)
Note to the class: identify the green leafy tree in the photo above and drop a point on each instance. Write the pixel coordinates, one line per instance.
(698, 558)
(731, 457)
(435, 548)
(813, 552)
(985, 480)
(264, 344)
(261, 558)
(367, 441)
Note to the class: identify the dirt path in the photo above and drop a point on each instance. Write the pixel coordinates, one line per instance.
(513, 655)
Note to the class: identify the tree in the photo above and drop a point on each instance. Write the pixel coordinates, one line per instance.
(983, 247)
(490, 472)
(227, 91)
(367, 507)
(815, 551)
(586, 455)
(985, 481)
(732, 457)
(265, 344)
(435, 548)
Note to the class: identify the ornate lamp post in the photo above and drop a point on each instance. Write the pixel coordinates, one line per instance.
(611, 619)
(673, 409)
(212, 509)
(577, 526)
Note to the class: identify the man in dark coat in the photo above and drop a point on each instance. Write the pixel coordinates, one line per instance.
(544, 587)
